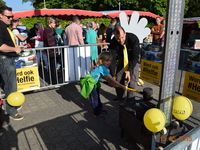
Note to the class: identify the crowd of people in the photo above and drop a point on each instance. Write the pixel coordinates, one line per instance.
(122, 58)
(74, 34)
(53, 35)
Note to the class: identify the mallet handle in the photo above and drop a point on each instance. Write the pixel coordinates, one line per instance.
(133, 90)
(130, 89)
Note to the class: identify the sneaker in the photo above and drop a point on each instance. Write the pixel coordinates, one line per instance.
(16, 117)
(99, 116)
(104, 111)
(19, 107)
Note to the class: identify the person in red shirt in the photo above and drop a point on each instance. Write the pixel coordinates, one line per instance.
(49, 41)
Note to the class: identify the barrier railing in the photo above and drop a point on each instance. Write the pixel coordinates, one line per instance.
(74, 63)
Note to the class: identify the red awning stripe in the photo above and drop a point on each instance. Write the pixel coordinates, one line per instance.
(56, 12)
(115, 14)
(67, 13)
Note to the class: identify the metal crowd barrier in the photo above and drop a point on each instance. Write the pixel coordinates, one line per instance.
(69, 55)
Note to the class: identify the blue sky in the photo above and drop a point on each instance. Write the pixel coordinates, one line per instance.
(17, 5)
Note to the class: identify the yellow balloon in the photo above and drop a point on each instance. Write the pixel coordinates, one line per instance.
(182, 108)
(15, 99)
(154, 120)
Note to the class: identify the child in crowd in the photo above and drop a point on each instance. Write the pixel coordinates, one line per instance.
(22, 30)
(90, 84)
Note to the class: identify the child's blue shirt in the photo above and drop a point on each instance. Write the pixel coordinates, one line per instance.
(99, 72)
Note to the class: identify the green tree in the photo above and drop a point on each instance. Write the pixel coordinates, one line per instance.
(155, 6)
(2, 3)
(85, 4)
(193, 8)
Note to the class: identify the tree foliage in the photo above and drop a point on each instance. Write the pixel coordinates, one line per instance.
(85, 4)
(155, 6)
(193, 8)
(2, 3)
(29, 22)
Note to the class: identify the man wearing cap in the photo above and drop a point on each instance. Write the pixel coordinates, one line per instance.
(8, 52)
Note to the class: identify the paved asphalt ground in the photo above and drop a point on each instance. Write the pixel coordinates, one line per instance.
(61, 119)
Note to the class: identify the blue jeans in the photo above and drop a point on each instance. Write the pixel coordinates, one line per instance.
(59, 62)
(8, 73)
(44, 56)
(95, 101)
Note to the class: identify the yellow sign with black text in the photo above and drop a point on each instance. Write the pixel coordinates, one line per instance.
(191, 88)
(150, 71)
(27, 79)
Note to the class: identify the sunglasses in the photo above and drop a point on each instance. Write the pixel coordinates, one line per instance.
(8, 16)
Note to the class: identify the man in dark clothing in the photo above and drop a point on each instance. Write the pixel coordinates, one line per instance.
(49, 41)
(129, 42)
(33, 34)
(8, 52)
(99, 35)
(109, 31)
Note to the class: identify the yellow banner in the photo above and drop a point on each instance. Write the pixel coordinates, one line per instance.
(191, 88)
(150, 71)
(27, 79)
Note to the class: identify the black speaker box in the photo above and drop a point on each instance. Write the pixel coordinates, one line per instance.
(131, 122)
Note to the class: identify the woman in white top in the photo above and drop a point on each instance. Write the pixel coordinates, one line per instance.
(39, 44)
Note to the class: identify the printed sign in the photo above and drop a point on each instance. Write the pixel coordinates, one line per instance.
(27, 79)
(150, 71)
(27, 71)
(191, 88)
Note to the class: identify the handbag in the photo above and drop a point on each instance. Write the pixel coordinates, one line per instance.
(38, 44)
(99, 41)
